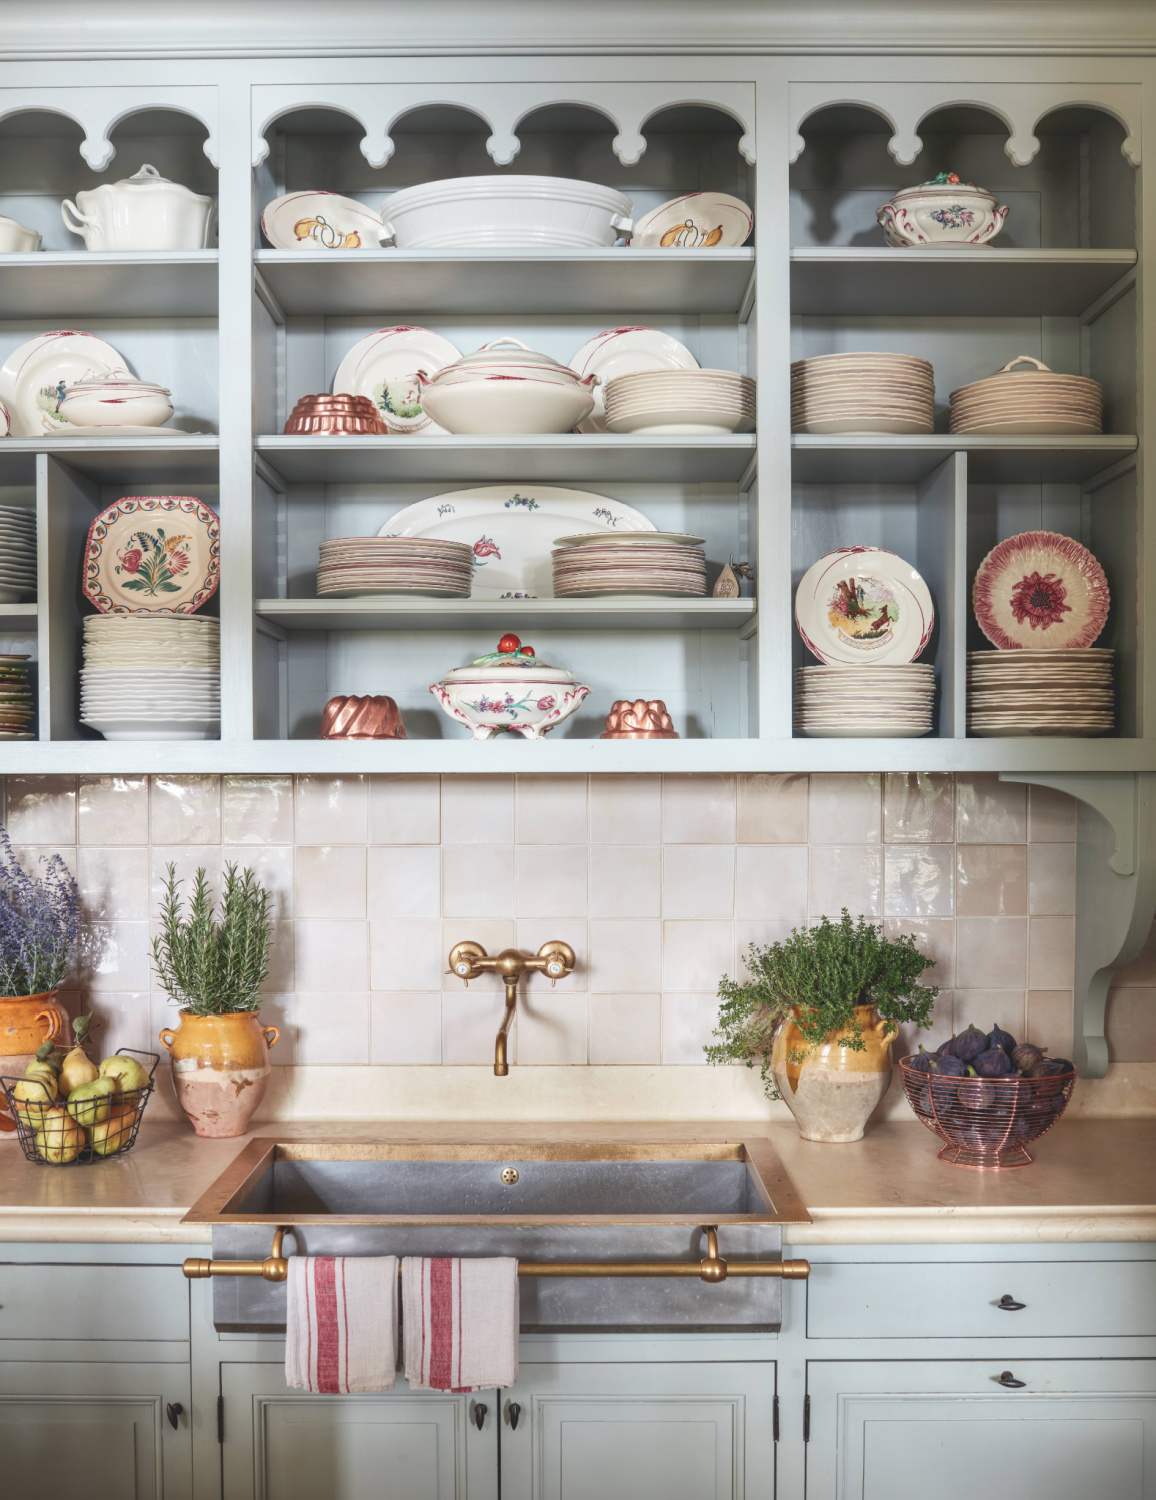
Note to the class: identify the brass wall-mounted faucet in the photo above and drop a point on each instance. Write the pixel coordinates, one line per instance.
(469, 960)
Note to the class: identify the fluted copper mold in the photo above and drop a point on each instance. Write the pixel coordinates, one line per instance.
(353, 718)
(326, 415)
(640, 720)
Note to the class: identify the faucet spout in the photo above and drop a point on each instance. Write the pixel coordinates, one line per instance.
(501, 1066)
(468, 960)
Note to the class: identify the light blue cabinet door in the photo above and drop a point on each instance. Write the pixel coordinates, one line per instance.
(1077, 1429)
(397, 1445)
(94, 1431)
(640, 1432)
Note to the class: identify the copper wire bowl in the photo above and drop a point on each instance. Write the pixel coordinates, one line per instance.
(327, 415)
(991, 1132)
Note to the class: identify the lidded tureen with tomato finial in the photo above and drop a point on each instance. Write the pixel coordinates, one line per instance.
(944, 211)
(509, 689)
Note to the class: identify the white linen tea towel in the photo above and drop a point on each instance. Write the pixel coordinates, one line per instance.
(460, 1323)
(341, 1330)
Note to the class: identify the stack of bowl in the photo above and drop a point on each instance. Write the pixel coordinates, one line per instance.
(325, 415)
(1032, 692)
(17, 704)
(862, 393)
(17, 554)
(151, 677)
(640, 562)
(872, 702)
(681, 403)
(353, 565)
(1036, 400)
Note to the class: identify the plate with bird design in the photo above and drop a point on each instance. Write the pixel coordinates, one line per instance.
(863, 604)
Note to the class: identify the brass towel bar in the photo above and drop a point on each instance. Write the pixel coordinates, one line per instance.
(712, 1268)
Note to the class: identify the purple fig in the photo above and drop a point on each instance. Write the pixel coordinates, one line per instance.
(969, 1044)
(945, 1047)
(1041, 1104)
(949, 1065)
(994, 1063)
(1004, 1039)
(1051, 1070)
(975, 1093)
(1026, 1056)
(922, 1060)
(1065, 1064)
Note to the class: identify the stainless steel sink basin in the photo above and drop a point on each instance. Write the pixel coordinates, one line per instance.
(586, 1202)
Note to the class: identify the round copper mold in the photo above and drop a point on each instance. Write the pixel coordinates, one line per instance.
(640, 720)
(353, 718)
(326, 415)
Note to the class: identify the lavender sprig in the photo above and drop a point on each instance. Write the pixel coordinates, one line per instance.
(39, 923)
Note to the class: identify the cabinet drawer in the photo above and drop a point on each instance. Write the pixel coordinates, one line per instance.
(906, 1300)
(138, 1303)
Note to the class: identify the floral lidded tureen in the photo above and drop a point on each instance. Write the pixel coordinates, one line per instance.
(944, 211)
(509, 689)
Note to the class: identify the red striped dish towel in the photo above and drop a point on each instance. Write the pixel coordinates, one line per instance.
(461, 1323)
(341, 1332)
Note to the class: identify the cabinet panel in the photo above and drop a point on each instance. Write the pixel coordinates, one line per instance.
(93, 1302)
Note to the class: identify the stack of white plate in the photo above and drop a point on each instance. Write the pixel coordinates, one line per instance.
(862, 393)
(885, 702)
(352, 565)
(17, 554)
(1035, 400)
(1065, 692)
(681, 403)
(152, 677)
(640, 562)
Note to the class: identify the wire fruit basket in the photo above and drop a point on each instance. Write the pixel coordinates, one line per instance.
(48, 1132)
(986, 1122)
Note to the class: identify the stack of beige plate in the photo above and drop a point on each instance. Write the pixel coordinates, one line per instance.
(17, 705)
(1036, 400)
(862, 393)
(1026, 692)
(152, 677)
(639, 562)
(353, 565)
(883, 702)
(681, 403)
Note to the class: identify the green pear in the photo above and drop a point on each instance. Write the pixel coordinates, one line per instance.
(31, 1098)
(125, 1072)
(45, 1073)
(90, 1103)
(108, 1136)
(59, 1139)
(76, 1069)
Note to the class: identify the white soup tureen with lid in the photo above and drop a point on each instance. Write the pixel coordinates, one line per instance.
(944, 211)
(509, 689)
(142, 212)
(507, 387)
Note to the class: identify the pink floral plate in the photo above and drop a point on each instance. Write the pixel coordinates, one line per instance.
(1040, 590)
(153, 554)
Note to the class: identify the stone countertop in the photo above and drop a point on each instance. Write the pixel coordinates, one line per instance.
(1092, 1181)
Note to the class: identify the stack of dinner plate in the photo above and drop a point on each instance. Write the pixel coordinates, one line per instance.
(1035, 400)
(17, 554)
(862, 393)
(881, 702)
(683, 403)
(17, 704)
(152, 677)
(353, 565)
(638, 562)
(1066, 692)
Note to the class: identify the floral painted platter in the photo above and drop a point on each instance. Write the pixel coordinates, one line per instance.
(153, 554)
(1040, 589)
(512, 531)
(384, 367)
(34, 377)
(863, 604)
(320, 221)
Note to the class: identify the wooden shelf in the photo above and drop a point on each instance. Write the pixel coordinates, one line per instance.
(509, 614)
(100, 284)
(17, 617)
(952, 282)
(868, 458)
(619, 281)
(564, 458)
(168, 460)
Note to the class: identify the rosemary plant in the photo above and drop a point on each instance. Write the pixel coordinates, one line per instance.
(39, 923)
(817, 977)
(214, 965)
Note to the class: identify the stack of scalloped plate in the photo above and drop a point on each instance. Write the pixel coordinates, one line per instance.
(151, 677)
(1036, 400)
(641, 562)
(880, 702)
(17, 554)
(1028, 692)
(352, 565)
(17, 704)
(862, 393)
(681, 403)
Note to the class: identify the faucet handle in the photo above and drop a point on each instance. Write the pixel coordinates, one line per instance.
(557, 960)
(465, 960)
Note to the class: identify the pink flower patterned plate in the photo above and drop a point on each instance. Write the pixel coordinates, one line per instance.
(153, 554)
(1040, 590)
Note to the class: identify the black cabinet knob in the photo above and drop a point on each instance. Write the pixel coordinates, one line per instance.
(515, 1411)
(480, 1410)
(1007, 1303)
(1009, 1382)
(173, 1411)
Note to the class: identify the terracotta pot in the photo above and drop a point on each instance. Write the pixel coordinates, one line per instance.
(220, 1069)
(832, 1090)
(26, 1022)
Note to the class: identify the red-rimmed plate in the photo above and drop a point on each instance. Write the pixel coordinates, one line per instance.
(863, 604)
(1043, 590)
(153, 555)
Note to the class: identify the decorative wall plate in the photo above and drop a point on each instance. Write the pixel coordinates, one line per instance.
(153, 554)
(512, 531)
(695, 221)
(320, 221)
(1040, 589)
(625, 351)
(33, 378)
(863, 604)
(384, 367)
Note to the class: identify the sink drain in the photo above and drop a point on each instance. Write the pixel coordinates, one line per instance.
(509, 1176)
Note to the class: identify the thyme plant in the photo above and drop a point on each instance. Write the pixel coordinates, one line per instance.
(210, 964)
(817, 977)
(39, 923)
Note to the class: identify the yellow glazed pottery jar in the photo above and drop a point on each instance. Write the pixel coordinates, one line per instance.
(26, 1022)
(832, 1090)
(220, 1069)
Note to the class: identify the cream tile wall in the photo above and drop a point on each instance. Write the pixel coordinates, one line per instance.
(659, 883)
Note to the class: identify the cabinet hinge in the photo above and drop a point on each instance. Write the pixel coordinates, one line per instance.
(806, 1419)
(775, 1419)
(220, 1419)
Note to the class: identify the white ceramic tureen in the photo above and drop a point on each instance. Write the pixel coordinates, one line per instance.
(509, 689)
(944, 211)
(507, 389)
(142, 212)
(115, 400)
